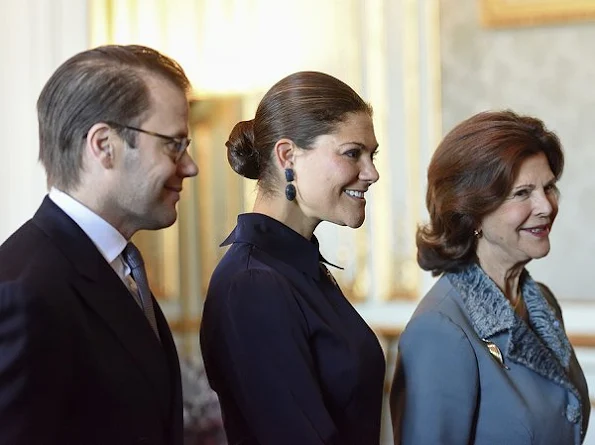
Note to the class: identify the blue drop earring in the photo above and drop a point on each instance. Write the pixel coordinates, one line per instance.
(289, 188)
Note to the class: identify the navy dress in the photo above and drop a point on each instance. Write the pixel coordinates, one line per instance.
(291, 360)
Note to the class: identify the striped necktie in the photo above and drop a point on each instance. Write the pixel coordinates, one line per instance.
(135, 261)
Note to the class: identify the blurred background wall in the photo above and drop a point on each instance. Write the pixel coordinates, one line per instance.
(36, 36)
(424, 65)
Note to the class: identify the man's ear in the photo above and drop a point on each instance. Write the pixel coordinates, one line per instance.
(285, 152)
(100, 144)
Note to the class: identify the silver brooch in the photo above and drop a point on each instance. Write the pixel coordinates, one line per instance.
(495, 352)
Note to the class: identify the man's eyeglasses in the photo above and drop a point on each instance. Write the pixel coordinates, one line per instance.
(176, 146)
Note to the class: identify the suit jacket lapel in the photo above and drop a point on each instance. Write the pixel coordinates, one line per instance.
(101, 289)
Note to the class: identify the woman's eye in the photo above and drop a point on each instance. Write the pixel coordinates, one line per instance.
(352, 153)
(521, 193)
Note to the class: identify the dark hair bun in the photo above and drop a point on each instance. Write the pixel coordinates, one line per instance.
(241, 154)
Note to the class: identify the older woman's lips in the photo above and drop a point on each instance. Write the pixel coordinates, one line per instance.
(539, 231)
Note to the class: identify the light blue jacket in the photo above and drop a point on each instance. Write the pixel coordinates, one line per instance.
(449, 388)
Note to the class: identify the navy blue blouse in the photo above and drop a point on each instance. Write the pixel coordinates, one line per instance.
(291, 360)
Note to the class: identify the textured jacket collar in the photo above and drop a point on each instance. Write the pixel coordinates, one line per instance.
(542, 347)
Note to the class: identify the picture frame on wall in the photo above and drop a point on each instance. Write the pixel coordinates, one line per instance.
(519, 13)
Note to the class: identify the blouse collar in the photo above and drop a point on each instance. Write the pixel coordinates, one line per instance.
(280, 241)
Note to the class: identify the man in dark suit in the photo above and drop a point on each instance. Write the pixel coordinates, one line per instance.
(86, 355)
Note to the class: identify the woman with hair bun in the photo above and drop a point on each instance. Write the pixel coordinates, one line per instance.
(290, 359)
(485, 359)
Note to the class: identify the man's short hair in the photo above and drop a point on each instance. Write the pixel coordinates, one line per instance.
(107, 83)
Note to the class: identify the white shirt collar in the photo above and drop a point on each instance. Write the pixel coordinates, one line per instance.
(106, 238)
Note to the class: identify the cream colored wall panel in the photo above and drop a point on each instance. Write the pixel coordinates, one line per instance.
(37, 36)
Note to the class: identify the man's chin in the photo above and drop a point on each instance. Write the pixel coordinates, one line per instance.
(162, 221)
(170, 221)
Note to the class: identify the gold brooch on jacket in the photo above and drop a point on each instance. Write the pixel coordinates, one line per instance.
(495, 352)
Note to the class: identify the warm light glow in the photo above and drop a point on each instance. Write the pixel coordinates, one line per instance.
(237, 46)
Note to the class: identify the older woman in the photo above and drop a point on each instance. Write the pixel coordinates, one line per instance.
(485, 359)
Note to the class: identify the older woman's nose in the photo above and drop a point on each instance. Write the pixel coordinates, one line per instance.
(544, 203)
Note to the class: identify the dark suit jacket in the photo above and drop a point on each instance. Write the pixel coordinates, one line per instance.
(79, 363)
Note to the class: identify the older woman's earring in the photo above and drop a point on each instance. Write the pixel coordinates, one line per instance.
(289, 188)
(477, 233)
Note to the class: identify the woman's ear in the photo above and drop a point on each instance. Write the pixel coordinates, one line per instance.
(285, 151)
(100, 144)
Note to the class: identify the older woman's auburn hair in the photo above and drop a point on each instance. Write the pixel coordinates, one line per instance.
(470, 175)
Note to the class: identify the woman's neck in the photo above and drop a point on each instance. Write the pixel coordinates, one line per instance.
(286, 212)
(506, 278)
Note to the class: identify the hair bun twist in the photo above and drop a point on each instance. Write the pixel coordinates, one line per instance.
(241, 153)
